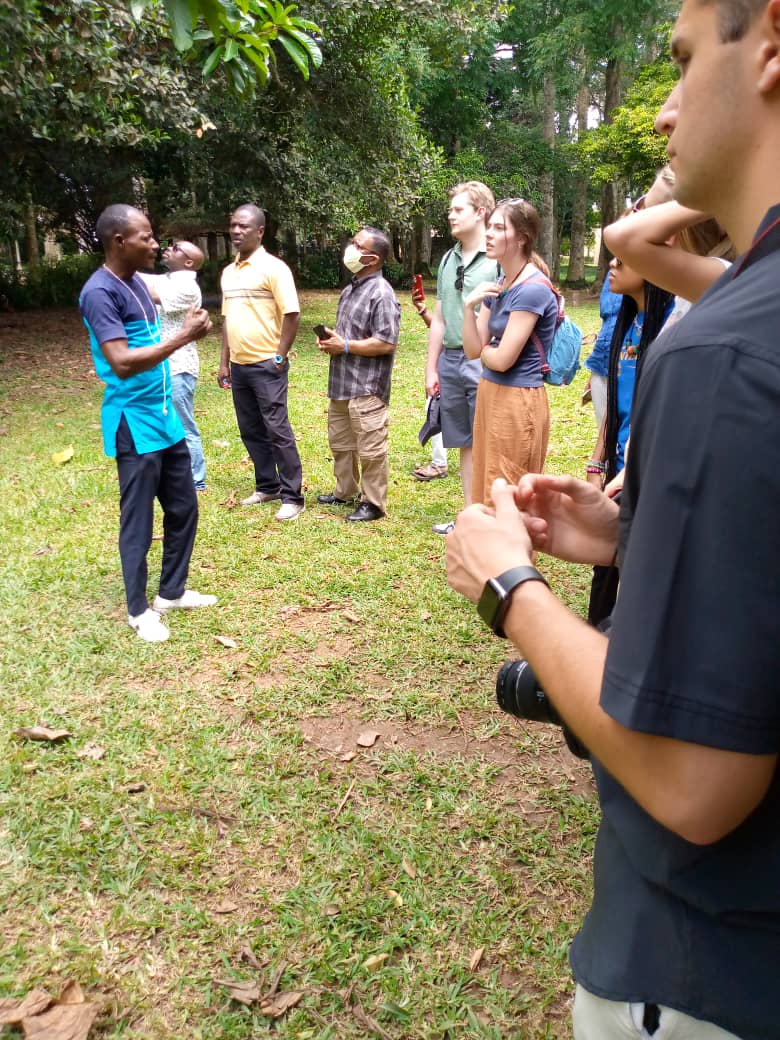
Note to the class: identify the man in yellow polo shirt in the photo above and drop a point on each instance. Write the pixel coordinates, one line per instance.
(261, 313)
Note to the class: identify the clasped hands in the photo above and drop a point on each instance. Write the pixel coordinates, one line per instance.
(560, 516)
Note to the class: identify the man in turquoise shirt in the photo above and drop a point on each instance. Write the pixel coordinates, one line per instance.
(140, 426)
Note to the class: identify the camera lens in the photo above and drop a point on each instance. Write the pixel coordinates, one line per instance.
(519, 694)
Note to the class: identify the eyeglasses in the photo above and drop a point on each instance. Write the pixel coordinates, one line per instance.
(459, 277)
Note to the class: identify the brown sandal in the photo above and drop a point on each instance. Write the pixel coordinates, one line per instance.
(430, 472)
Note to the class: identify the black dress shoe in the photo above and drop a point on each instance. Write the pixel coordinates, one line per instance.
(331, 500)
(366, 511)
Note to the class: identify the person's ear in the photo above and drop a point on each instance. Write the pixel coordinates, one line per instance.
(769, 53)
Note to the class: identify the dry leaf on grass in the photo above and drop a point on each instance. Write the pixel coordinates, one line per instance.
(69, 1018)
(13, 1009)
(231, 644)
(244, 992)
(221, 444)
(59, 458)
(408, 868)
(368, 738)
(476, 958)
(94, 751)
(135, 788)
(375, 960)
(226, 907)
(347, 756)
(280, 1004)
(247, 954)
(331, 910)
(45, 733)
(45, 550)
(351, 617)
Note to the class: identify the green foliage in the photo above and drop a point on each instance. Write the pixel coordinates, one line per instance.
(319, 270)
(50, 284)
(629, 147)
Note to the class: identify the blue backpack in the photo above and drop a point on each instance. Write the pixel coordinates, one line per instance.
(562, 361)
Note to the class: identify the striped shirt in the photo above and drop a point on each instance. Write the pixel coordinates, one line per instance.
(368, 309)
(256, 294)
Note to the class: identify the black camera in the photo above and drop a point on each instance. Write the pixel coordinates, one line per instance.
(519, 694)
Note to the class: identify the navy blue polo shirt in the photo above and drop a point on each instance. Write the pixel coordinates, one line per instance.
(694, 654)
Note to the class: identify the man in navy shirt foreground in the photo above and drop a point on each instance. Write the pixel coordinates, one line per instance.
(680, 709)
(140, 426)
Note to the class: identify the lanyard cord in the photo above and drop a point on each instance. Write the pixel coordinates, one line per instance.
(148, 326)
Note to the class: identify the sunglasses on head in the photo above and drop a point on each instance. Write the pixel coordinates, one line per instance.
(459, 277)
(176, 248)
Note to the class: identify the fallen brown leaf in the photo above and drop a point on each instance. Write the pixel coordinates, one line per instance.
(14, 1009)
(246, 954)
(231, 644)
(226, 907)
(45, 550)
(281, 1003)
(351, 617)
(69, 1022)
(408, 868)
(476, 958)
(42, 733)
(244, 992)
(135, 788)
(368, 738)
(348, 756)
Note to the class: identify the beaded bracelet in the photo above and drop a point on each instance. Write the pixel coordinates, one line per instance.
(596, 466)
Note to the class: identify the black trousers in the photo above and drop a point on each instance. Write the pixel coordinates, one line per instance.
(260, 400)
(167, 476)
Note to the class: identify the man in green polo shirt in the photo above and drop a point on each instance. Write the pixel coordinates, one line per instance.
(448, 371)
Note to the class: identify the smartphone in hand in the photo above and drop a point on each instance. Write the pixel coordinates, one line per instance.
(417, 287)
(321, 332)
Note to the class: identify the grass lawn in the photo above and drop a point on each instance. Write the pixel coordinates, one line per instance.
(212, 819)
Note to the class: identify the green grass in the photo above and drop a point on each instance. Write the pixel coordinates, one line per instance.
(462, 828)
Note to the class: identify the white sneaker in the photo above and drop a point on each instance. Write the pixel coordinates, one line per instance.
(444, 528)
(189, 600)
(259, 498)
(290, 511)
(148, 626)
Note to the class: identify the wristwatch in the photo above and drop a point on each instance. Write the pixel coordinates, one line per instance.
(279, 360)
(497, 595)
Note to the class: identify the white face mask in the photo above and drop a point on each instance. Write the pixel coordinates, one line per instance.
(353, 259)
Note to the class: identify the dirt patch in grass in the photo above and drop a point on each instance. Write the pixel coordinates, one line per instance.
(337, 736)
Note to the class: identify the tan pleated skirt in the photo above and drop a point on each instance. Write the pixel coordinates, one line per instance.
(511, 431)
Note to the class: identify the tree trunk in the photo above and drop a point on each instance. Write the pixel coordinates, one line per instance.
(545, 245)
(611, 203)
(31, 234)
(211, 246)
(575, 277)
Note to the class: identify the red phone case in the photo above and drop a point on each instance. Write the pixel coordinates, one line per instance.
(417, 283)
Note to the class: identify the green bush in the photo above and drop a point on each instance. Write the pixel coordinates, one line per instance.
(52, 284)
(319, 270)
(394, 273)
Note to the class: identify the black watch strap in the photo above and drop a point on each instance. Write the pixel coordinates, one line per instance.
(497, 594)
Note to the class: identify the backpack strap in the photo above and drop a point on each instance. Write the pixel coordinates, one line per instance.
(558, 321)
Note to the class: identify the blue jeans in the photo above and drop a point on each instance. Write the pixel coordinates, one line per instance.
(183, 393)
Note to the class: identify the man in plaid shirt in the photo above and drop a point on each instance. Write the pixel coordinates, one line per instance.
(362, 351)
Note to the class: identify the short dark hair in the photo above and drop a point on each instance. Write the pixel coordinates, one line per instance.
(735, 17)
(380, 241)
(114, 221)
(258, 214)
